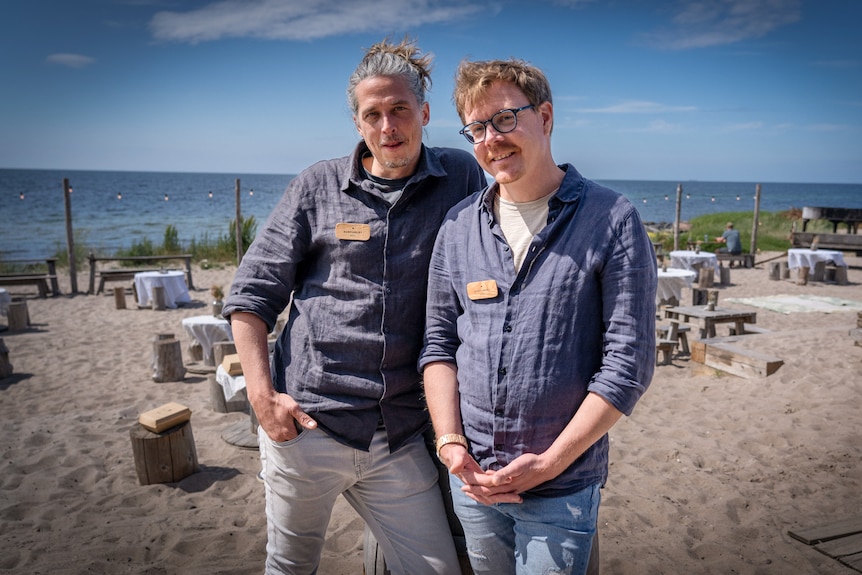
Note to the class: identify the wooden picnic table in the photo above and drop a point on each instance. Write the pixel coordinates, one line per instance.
(706, 319)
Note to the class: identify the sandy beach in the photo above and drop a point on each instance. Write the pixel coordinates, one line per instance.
(707, 476)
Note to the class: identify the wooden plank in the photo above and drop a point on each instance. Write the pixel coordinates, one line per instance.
(741, 362)
(842, 546)
(828, 531)
(853, 561)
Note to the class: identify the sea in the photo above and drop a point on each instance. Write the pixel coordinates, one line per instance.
(112, 210)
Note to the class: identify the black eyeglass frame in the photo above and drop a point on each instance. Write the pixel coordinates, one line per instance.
(464, 131)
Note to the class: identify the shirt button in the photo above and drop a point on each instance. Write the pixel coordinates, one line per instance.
(502, 371)
(507, 328)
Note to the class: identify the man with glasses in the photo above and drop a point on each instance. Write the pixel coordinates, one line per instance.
(539, 332)
(340, 406)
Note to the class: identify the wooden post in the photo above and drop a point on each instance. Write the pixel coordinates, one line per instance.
(775, 271)
(676, 217)
(754, 225)
(221, 349)
(165, 457)
(158, 299)
(70, 241)
(841, 275)
(120, 297)
(17, 315)
(724, 276)
(167, 359)
(238, 227)
(699, 296)
(819, 272)
(802, 276)
(784, 271)
(5, 365)
(196, 351)
(217, 401)
(706, 277)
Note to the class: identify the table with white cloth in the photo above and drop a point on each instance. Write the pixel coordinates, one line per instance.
(207, 330)
(5, 300)
(174, 282)
(804, 257)
(670, 284)
(692, 260)
(230, 384)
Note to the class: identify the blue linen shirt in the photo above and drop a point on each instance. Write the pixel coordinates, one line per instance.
(578, 317)
(353, 334)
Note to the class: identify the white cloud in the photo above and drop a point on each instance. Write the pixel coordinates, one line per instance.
(301, 19)
(704, 23)
(826, 127)
(744, 127)
(70, 60)
(656, 127)
(637, 107)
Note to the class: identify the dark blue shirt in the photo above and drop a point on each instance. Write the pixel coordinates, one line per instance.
(354, 330)
(578, 317)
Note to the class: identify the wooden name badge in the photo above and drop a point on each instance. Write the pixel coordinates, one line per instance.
(485, 289)
(355, 232)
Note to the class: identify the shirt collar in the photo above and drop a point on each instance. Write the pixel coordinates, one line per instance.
(429, 165)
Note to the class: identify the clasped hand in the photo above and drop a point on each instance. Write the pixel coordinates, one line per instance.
(495, 486)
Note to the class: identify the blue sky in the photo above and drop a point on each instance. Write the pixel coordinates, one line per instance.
(721, 90)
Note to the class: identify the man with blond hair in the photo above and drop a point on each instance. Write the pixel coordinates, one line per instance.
(539, 332)
(340, 403)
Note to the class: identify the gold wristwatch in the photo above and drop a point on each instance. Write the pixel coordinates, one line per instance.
(450, 438)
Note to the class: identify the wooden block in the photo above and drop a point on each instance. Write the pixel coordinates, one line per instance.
(775, 271)
(158, 301)
(17, 315)
(231, 364)
(706, 277)
(120, 297)
(165, 457)
(167, 360)
(698, 351)
(742, 362)
(165, 416)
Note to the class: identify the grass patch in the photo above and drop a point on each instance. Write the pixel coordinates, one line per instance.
(773, 231)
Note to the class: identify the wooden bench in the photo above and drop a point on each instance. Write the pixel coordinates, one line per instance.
(36, 278)
(674, 331)
(664, 351)
(748, 329)
(128, 273)
(745, 260)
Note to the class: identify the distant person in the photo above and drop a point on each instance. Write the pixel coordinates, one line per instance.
(340, 405)
(540, 332)
(730, 237)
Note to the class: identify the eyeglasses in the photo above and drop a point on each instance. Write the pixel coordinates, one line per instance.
(503, 121)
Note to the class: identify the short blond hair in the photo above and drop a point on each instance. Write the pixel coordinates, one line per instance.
(473, 79)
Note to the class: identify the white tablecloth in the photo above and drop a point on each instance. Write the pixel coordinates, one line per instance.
(689, 259)
(5, 300)
(206, 330)
(804, 257)
(230, 384)
(174, 282)
(671, 282)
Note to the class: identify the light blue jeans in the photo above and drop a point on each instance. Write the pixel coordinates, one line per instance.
(396, 494)
(541, 535)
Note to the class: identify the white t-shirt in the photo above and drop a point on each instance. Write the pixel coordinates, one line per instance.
(520, 222)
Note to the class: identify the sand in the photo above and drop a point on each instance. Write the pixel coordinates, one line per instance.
(707, 475)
